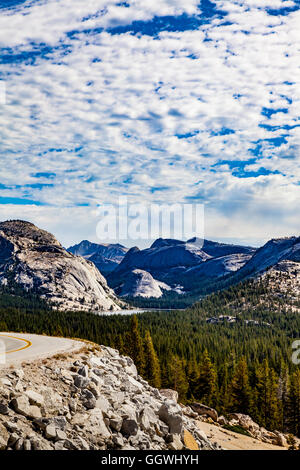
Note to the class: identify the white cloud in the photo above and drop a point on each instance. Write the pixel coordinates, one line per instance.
(110, 126)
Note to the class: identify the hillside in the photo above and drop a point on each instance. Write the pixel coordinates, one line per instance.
(241, 333)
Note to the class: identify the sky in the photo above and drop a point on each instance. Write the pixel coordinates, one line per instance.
(169, 101)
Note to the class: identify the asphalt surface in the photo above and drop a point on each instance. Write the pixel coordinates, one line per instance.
(11, 344)
(18, 347)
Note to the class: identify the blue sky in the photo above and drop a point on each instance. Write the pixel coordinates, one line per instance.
(162, 101)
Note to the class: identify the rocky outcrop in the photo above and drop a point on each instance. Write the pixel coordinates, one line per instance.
(90, 400)
(256, 431)
(34, 259)
(139, 283)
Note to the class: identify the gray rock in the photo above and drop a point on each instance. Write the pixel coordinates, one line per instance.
(35, 398)
(90, 403)
(205, 410)
(118, 440)
(129, 427)
(84, 371)
(4, 410)
(115, 424)
(27, 445)
(13, 439)
(222, 420)
(22, 406)
(50, 432)
(103, 404)
(170, 394)
(147, 418)
(59, 422)
(60, 435)
(19, 444)
(176, 443)
(80, 381)
(171, 415)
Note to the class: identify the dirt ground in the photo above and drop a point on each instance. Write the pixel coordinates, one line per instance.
(233, 441)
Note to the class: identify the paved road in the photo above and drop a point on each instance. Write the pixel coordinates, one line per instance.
(13, 344)
(18, 347)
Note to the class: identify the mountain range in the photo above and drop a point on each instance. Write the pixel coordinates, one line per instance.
(94, 277)
(172, 268)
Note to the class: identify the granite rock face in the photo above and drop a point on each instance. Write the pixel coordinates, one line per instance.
(34, 259)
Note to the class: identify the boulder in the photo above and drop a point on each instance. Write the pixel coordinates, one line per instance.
(176, 443)
(50, 432)
(84, 371)
(116, 423)
(147, 418)
(103, 404)
(201, 410)
(281, 439)
(35, 398)
(22, 406)
(80, 381)
(129, 427)
(222, 420)
(171, 414)
(169, 394)
(96, 424)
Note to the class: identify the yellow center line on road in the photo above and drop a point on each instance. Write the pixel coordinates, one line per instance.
(28, 343)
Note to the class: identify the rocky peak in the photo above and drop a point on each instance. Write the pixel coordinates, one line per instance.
(24, 233)
(166, 242)
(271, 253)
(34, 259)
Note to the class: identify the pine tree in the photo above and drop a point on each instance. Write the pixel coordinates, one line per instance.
(240, 389)
(119, 344)
(266, 406)
(224, 396)
(152, 367)
(178, 378)
(293, 404)
(193, 377)
(207, 383)
(135, 346)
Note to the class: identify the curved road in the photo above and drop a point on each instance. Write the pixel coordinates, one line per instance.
(18, 347)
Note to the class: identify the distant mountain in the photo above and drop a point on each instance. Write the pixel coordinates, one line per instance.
(34, 259)
(179, 264)
(270, 254)
(106, 257)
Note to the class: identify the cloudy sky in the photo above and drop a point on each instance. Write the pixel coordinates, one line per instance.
(158, 100)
